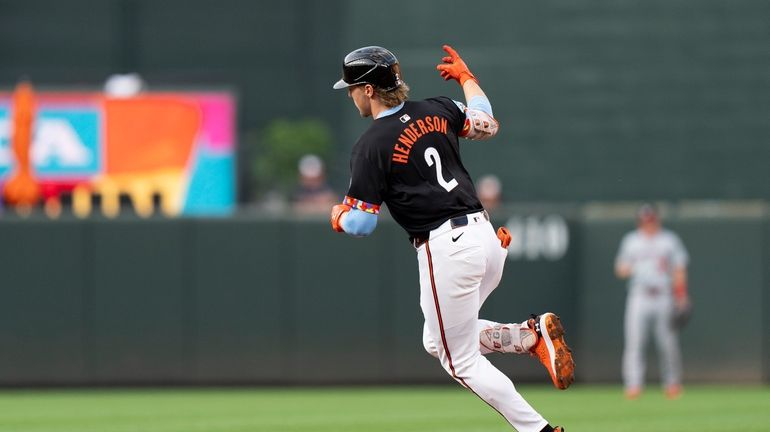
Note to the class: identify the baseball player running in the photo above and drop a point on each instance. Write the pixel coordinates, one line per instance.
(655, 262)
(409, 158)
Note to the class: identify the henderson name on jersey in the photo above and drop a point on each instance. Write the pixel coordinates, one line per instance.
(411, 161)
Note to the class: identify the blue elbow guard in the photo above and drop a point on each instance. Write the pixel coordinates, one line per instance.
(359, 223)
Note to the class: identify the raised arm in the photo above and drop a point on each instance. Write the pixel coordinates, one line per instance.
(479, 119)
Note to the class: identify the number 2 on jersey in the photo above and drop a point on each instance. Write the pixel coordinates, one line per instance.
(431, 156)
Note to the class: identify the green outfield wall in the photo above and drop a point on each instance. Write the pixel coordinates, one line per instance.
(260, 300)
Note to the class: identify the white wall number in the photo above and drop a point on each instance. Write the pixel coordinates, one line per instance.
(535, 237)
(431, 155)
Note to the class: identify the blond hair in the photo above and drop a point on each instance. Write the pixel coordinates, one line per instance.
(393, 97)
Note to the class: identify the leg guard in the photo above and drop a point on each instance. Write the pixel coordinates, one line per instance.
(508, 338)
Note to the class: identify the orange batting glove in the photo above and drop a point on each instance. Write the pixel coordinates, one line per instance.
(336, 216)
(454, 67)
(505, 237)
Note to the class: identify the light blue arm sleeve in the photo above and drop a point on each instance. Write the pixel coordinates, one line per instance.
(359, 223)
(481, 103)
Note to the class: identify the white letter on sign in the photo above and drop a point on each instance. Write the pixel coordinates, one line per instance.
(56, 140)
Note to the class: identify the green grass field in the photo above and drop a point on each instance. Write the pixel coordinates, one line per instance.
(396, 409)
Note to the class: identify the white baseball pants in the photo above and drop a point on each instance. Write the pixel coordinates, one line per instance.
(459, 268)
(642, 312)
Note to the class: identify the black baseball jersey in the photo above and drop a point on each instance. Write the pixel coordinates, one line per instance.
(410, 160)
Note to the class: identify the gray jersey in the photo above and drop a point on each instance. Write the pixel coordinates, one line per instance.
(652, 259)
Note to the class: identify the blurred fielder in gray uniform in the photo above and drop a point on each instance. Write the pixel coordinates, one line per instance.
(655, 262)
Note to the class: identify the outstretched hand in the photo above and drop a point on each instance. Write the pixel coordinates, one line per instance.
(454, 67)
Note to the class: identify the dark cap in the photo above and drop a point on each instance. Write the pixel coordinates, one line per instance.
(370, 65)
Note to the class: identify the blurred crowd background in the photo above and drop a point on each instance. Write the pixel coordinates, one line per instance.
(164, 221)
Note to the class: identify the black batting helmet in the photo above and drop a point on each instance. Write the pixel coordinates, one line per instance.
(370, 65)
